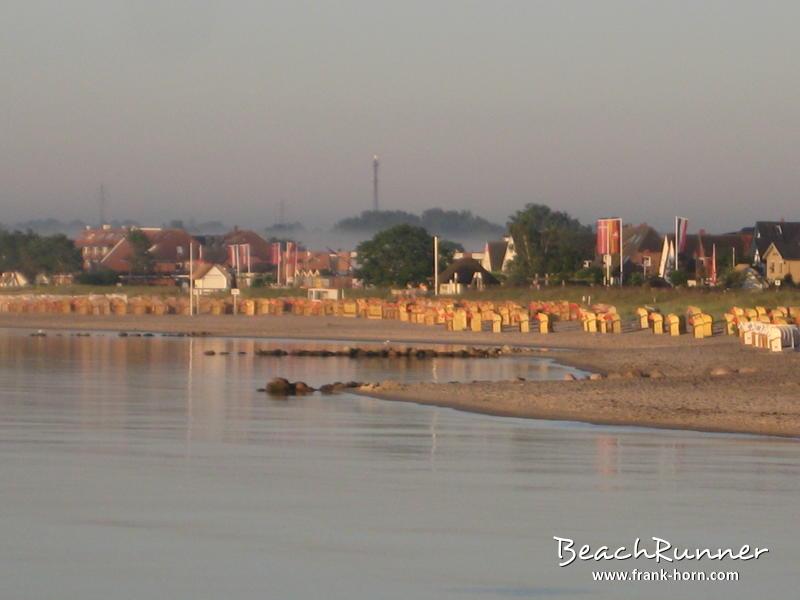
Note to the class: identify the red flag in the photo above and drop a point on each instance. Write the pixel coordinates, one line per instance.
(275, 254)
(614, 235)
(713, 271)
(602, 236)
(609, 236)
(681, 227)
(243, 256)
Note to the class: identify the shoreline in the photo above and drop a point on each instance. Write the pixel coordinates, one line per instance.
(655, 381)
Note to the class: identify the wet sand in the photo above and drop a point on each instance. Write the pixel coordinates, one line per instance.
(760, 394)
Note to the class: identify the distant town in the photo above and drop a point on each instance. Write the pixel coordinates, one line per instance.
(539, 246)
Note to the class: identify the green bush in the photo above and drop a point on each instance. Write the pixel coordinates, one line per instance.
(637, 279)
(679, 278)
(101, 277)
(733, 279)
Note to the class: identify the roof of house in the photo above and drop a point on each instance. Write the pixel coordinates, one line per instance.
(203, 269)
(259, 247)
(314, 261)
(466, 268)
(780, 232)
(702, 244)
(163, 249)
(640, 238)
(100, 237)
(787, 250)
(497, 254)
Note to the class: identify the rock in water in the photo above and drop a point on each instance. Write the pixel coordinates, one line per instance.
(301, 387)
(278, 386)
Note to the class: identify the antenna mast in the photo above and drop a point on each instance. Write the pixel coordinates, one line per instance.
(101, 201)
(375, 163)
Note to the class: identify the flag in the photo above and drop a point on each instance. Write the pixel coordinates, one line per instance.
(609, 236)
(243, 256)
(239, 256)
(275, 253)
(681, 227)
(671, 254)
(713, 271)
(662, 264)
(291, 259)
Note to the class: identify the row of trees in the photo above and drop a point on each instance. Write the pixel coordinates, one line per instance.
(435, 220)
(31, 253)
(546, 241)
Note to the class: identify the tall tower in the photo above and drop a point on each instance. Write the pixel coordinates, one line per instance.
(375, 182)
(101, 205)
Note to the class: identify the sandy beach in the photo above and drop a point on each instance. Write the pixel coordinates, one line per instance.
(652, 381)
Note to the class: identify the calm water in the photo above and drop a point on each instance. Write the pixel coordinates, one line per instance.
(141, 468)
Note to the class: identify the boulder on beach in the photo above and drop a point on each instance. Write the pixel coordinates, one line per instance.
(716, 372)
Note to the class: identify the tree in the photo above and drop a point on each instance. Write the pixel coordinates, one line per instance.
(142, 262)
(399, 256)
(547, 241)
(32, 253)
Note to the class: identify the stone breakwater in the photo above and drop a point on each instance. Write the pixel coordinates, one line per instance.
(395, 352)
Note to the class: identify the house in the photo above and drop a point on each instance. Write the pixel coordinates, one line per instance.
(641, 247)
(169, 250)
(240, 249)
(697, 255)
(782, 261)
(331, 269)
(209, 278)
(95, 244)
(766, 233)
(497, 256)
(465, 272)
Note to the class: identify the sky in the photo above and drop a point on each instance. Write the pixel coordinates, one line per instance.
(212, 110)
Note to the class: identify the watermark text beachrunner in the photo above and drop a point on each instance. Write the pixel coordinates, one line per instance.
(661, 550)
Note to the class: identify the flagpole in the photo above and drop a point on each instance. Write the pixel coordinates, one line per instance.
(191, 279)
(436, 265)
(621, 238)
(280, 260)
(676, 243)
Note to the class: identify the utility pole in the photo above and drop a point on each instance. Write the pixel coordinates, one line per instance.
(191, 279)
(436, 265)
(375, 163)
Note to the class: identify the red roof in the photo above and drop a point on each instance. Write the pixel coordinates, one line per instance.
(169, 247)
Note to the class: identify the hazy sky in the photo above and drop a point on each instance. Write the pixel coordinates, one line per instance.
(218, 110)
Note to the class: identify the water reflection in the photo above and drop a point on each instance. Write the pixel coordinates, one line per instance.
(140, 467)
